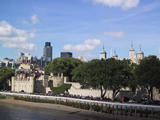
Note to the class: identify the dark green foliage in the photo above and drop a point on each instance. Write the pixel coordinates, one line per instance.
(3, 97)
(118, 74)
(61, 89)
(104, 74)
(132, 82)
(63, 65)
(80, 74)
(92, 74)
(148, 74)
(5, 74)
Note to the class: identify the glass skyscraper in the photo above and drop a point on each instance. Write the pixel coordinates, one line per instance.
(47, 53)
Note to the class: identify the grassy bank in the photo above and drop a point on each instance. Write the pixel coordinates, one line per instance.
(114, 110)
(6, 97)
(3, 97)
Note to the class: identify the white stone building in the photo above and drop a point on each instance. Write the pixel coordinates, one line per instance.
(135, 58)
(103, 54)
(22, 83)
(24, 58)
(36, 84)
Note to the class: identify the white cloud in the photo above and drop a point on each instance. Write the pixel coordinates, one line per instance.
(124, 4)
(159, 50)
(25, 22)
(85, 55)
(87, 45)
(147, 8)
(114, 34)
(34, 19)
(25, 46)
(84, 49)
(11, 37)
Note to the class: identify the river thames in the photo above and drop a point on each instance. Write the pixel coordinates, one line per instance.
(14, 112)
(22, 110)
(18, 112)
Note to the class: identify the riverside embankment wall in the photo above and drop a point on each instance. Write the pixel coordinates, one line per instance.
(141, 110)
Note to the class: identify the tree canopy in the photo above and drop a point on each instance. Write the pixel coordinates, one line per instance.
(104, 74)
(110, 74)
(93, 74)
(5, 74)
(62, 65)
(119, 74)
(148, 74)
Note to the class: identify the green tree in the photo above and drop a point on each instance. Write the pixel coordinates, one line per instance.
(80, 74)
(92, 74)
(63, 65)
(148, 74)
(61, 89)
(97, 75)
(104, 74)
(118, 74)
(132, 82)
(5, 74)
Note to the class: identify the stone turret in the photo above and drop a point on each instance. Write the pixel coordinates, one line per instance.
(103, 54)
(115, 56)
(23, 82)
(139, 55)
(132, 54)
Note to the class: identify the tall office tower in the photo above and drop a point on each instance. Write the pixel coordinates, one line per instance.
(47, 53)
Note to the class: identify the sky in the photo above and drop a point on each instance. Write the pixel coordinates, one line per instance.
(79, 26)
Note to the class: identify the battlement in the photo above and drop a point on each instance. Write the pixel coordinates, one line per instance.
(57, 80)
(23, 77)
(23, 82)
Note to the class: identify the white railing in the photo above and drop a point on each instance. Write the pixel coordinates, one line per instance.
(84, 100)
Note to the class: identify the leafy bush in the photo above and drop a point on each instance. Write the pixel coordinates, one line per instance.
(2, 97)
(61, 89)
(5, 74)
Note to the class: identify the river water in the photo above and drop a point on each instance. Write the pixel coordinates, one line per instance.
(14, 112)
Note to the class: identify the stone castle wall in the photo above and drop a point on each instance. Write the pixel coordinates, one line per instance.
(156, 94)
(56, 80)
(22, 83)
(77, 90)
(41, 83)
(30, 84)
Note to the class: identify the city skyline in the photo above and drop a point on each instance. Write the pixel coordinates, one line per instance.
(81, 27)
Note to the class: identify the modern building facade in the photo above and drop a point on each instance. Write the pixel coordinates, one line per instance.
(66, 54)
(47, 54)
(6, 62)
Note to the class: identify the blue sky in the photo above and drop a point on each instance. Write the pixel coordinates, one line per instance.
(79, 26)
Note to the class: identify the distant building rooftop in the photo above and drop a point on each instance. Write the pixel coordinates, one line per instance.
(66, 54)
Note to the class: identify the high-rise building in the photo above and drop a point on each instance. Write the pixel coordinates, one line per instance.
(66, 54)
(47, 53)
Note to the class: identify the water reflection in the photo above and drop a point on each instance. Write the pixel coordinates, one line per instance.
(13, 112)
